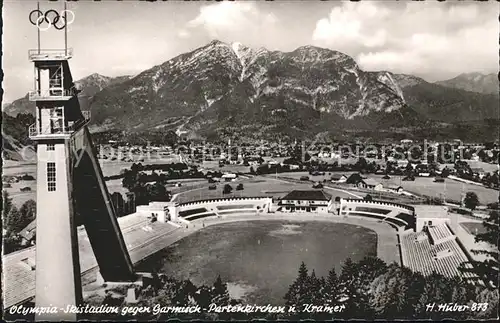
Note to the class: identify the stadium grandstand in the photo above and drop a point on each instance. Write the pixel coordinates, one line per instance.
(434, 249)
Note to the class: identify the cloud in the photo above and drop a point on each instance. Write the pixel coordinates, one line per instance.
(229, 18)
(419, 38)
(350, 26)
(183, 33)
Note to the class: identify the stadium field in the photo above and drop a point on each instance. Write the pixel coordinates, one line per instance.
(260, 259)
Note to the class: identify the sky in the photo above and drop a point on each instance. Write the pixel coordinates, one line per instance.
(433, 40)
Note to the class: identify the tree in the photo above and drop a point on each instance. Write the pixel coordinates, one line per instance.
(316, 289)
(436, 289)
(239, 187)
(368, 197)
(332, 289)
(131, 178)
(490, 297)
(252, 171)
(158, 192)
(184, 295)
(220, 294)
(227, 189)
(408, 169)
(12, 221)
(348, 290)
(27, 213)
(394, 293)
(7, 204)
(471, 200)
(11, 242)
(118, 203)
(298, 292)
(355, 282)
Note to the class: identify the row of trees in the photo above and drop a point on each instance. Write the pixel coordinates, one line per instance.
(371, 289)
(145, 188)
(14, 220)
(164, 291)
(228, 189)
(463, 170)
(168, 172)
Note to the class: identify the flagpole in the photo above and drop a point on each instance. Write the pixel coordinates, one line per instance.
(65, 31)
(38, 29)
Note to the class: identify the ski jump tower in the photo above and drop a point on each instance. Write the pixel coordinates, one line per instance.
(70, 189)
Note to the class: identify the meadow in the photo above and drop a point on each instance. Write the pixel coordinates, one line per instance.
(452, 189)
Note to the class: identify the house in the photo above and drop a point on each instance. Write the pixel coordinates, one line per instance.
(338, 178)
(370, 184)
(28, 234)
(478, 171)
(305, 201)
(395, 188)
(354, 179)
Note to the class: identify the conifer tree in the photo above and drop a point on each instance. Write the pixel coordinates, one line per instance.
(331, 288)
(315, 289)
(297, 292)
(220, 294)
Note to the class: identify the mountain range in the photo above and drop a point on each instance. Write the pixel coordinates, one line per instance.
(474, 82)
(89, 86)
(226, 90)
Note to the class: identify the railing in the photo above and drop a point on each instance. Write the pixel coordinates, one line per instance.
(228, 199)
(34, 131)
(54, 54)
(393, 204)
(53, 93)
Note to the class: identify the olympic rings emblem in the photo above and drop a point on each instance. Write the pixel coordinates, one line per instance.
(51, 18)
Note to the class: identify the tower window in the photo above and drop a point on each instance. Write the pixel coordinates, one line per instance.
(51, 177)
(50, 147)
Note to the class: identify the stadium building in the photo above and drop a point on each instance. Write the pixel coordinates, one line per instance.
(305, 201)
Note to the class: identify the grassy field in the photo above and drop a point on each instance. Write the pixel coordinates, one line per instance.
(260, 259)
(474, 228)
(452, 189)
(317, 178)
(421, 186)
(256, 187)
(18, 197)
